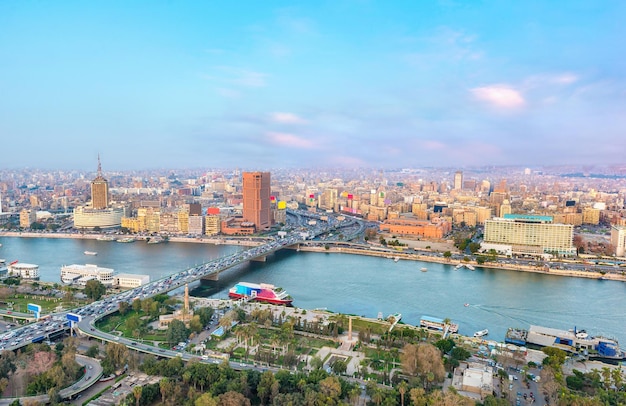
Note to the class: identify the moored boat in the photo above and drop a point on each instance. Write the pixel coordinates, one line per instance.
(24, 271)
(481, 333)
(127, 239)
(263, 292)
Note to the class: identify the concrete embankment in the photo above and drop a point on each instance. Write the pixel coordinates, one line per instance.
(492, 265)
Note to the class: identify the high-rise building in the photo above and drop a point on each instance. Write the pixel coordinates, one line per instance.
(99, 190)
(458, 180)
(618, 240)
(256, 199)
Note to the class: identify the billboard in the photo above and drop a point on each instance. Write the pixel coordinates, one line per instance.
(73, 317)
(33, 308)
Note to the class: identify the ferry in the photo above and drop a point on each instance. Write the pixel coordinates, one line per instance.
(93, 253)
(127, 239)
(481, 333)
(263, 292)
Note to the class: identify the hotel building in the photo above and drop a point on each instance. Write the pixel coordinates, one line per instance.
(528, 235)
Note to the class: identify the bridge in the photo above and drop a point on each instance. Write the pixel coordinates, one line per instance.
(87, 315)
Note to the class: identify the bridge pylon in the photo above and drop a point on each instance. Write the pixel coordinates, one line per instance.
(215, 276)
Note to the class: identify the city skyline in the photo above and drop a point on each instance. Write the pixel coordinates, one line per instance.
(330, 84)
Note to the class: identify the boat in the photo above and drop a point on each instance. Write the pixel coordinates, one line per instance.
(105, 238)
(466, 305)
(394, 318)
(396, 259)
(155, 240)
(424, 269)
(24, 271)
(470, 267)
(127, 239)
(94, 253)
(481, 333)
(434, 323)
(459, 266)
(263, 292)
(516, 336)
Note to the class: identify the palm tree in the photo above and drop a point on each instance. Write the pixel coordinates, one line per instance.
(402, 388)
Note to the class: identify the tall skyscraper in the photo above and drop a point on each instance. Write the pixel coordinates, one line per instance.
(458, 180)
(99, 190)
(256, 199)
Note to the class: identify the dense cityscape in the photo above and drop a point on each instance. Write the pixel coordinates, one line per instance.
(562, 220)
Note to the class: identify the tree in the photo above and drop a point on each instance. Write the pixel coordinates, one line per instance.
(232, 398)
(402, 388)
(339, 367)
(123, 307)
(94, 289)
(176, 332)
(205, 314)
(137, 389)
(264, 388)
(447, 255)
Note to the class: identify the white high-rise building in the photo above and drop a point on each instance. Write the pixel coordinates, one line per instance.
(618, 240)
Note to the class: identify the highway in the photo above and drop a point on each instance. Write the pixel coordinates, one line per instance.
(301, 229)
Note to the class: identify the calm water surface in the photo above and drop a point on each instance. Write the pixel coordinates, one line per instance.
(364, 285)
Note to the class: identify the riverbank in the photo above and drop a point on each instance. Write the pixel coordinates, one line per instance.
(491, 265)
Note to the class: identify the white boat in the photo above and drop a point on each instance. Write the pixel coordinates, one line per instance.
(127, 239)
(459, 266)
(94, 253)
(424, 269)
(471, 268)
(481, 333)
(396, 259)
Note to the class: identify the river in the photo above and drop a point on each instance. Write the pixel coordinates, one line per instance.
(362, 285)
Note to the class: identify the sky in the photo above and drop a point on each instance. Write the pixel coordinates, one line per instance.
(304, 84)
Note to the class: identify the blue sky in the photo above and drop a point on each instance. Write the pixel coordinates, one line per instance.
(267, 84)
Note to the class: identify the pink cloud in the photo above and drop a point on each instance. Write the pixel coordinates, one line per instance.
(287, 118)
(289, 140)
(501, 96)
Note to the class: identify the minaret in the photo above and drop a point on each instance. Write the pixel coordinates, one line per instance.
(187, 298)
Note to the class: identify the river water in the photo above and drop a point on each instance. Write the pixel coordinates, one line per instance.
(363, 285)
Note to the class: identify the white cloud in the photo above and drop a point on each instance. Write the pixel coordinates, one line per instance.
(289, 140)
(499, 95)
(287, 118)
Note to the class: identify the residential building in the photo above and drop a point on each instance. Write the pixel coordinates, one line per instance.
(618, 240)
(27, 217)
